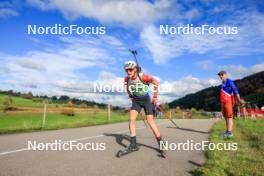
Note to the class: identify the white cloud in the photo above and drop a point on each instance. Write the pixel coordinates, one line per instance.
(51, 69)
(169, 90)
(43, 5)
(126, 12)
(234, 71)
(160, 48)
(7, 12)
(112, 91)
(240, 71)
(247, 41)
(31, 65)
(8, 9)
(207, 65)
(54, 73)
(163, 48)
(189, 84)
(193, 13)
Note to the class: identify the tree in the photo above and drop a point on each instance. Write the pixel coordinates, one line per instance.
(64, 98)
(28, 95)
(54, 98)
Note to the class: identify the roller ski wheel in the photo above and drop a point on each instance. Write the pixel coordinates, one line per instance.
(127, 150)
(162, 153)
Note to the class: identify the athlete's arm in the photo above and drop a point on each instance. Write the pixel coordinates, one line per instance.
(127, 88)
(235, 91)
(155, 82)
(156, 85)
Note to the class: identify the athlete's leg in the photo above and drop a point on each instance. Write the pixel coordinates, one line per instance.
(149, 113)
(227, 110)
(229, 124)
(229, 116)
(132, 122)
(156, 132)
(223, 109)
(153, 126)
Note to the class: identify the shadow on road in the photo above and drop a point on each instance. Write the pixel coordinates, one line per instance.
(121, 137)
(186, 129)
(196, 165)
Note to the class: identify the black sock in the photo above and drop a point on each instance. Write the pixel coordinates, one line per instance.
(133, 140)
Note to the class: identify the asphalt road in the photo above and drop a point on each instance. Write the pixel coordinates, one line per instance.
(16, 159)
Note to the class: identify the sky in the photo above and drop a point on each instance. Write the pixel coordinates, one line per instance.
(53, 64)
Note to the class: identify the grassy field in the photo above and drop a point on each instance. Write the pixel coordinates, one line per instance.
(28, 116)
(30, 119)
(22, 102)
(11, 122)
(248, 160)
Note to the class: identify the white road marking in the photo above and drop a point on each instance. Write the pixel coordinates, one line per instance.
(79, 139)
(13, 151)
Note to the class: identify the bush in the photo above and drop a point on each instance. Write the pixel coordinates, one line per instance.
(8, 104)
(37, 100)
(28, 95)
(10, 108)
(70, 104)
(165, 106)
(194, 111)
(83, 105)
(68, 112)
(8, 101)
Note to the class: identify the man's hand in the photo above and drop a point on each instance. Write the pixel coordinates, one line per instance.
(239, 101)
(155, 100)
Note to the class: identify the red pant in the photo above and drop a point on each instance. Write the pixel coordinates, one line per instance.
(227, 109)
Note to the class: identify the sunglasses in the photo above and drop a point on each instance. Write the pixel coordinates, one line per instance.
(129, 70)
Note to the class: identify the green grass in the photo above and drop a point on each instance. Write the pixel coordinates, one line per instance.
(248, 160)
(19, 101)
(11, 122)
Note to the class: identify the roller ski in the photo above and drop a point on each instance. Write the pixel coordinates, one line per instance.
(133, 147)
(127, 150)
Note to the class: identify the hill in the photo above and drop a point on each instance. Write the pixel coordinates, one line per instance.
(251, 88)
(30, 100)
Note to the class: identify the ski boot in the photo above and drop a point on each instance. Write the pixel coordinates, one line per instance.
(161, 148)
(131, 148)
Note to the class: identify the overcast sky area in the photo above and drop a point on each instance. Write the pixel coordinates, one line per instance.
(72, 64)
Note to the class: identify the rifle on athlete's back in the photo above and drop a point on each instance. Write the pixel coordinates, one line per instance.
(134, 53)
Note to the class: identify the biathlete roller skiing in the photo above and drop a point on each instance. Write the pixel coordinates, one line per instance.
(137, 85)
(228, 95)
